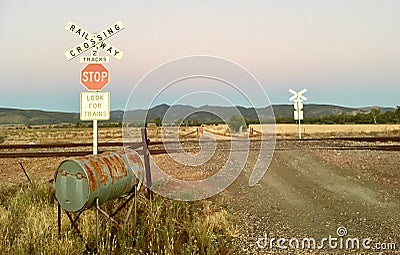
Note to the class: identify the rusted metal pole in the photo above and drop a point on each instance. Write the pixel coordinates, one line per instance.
(73, 223)
(23, 169)
(123, 204)
(146, 156)
(97, 225)
(59, 220)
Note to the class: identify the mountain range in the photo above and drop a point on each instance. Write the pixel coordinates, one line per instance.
(203, 114)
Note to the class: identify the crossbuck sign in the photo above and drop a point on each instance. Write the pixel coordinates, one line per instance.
(298, 99)
(92, 40)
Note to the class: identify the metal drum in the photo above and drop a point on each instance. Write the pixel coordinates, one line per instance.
(79, 181)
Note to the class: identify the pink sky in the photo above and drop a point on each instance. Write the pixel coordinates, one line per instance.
(344, 52)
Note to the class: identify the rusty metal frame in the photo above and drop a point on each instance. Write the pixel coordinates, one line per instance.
(132, 195)
(74, 219)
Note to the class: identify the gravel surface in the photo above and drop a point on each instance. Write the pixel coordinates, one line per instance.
(310, 193)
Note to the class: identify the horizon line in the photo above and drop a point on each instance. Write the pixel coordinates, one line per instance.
(205, 105)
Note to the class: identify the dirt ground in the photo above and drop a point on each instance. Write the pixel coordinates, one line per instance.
(308, 191)
(311, 193)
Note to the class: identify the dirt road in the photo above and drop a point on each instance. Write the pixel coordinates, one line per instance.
(311, 193)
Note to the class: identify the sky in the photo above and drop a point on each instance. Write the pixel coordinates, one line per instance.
(344, 52)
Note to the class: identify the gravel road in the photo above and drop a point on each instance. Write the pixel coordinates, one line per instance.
(311, 193)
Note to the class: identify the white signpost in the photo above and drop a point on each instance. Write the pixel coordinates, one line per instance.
(94, 106)
(298, 99)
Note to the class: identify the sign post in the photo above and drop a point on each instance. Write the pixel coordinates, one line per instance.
(298, 99)
(95, 138)
(95, 105)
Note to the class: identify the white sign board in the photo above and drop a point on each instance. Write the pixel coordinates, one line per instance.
(298, 115)
(92, 40)
(95, 106)
(298, 105)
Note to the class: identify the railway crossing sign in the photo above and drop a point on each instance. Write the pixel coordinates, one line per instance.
(94, 39)
(298, 95)
(95, 77)
(298, 99)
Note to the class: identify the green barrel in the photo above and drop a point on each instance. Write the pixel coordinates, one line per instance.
(79, 181)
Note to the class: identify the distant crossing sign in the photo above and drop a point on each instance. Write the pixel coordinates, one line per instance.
(298, 99)
(298, 95)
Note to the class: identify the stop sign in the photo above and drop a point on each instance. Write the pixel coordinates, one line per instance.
(95, 76)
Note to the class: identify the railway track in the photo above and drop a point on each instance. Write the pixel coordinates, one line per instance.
(82, 149)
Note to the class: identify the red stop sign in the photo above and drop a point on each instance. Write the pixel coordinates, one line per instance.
(95, 76)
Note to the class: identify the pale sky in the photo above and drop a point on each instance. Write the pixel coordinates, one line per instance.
(345, 52)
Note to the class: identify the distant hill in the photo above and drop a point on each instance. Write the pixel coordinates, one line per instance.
(38, 117)
(35, 117)
(178, 112)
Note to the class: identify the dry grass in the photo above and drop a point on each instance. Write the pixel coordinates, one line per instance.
(25, 135)
(28, 225)
(319, 131)
(221, 129)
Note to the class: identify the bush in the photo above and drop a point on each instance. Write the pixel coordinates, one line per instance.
(235, 123)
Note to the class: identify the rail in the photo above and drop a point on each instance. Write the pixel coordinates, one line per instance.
(36, 150)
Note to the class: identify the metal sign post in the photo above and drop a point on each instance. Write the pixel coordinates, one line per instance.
(298, 99)
(95, 137)
(95, 128)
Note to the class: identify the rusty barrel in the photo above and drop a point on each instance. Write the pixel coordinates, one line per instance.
(79, 181)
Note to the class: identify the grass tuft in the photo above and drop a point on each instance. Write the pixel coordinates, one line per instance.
(28, 225)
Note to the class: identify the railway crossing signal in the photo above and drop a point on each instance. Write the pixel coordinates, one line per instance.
(94, 76)
(298, 99)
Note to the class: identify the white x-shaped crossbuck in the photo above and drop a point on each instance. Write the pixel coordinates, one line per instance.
(94, 40)
(298, 95)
